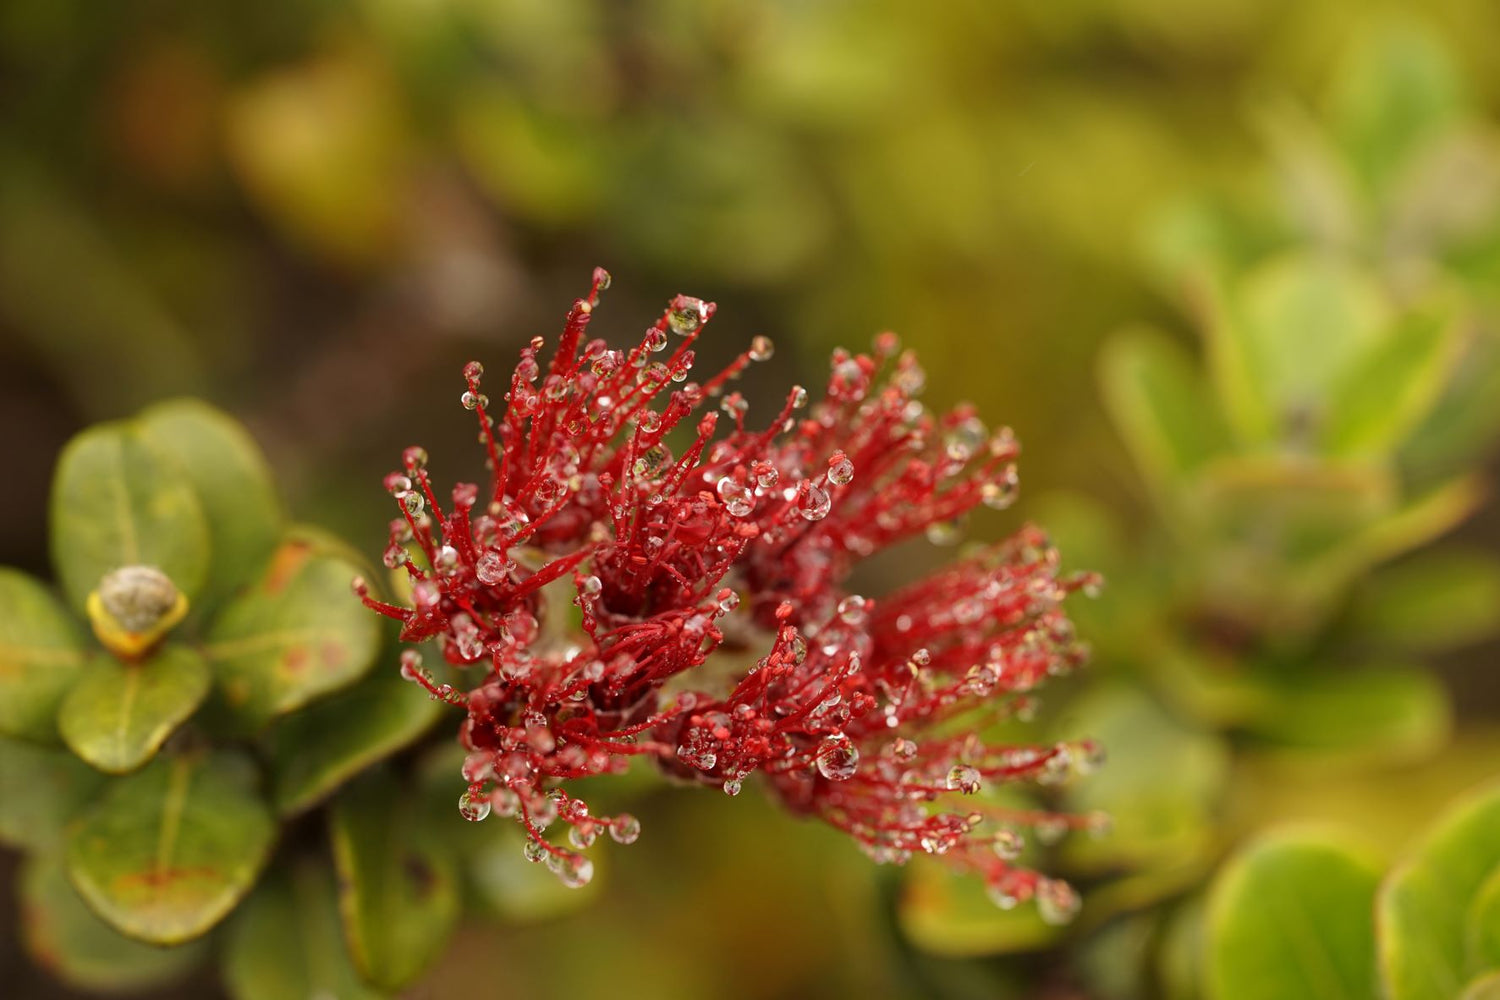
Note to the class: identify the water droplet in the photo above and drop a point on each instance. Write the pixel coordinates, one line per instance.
(903, 749)
(590, 586)
(738, 499)
(411, 664)
(840, 469)
(687, 315)
(473, 806)
(1000, 493)
(581, 835)
(813, 502)
(474, 400)
(492, 568)
(414, 458)
(397, 484)
(625, 829)
(964, 778)
(853, 610)
(1007, 844)
(766, 476)
(837, 757)
(798, 397)
(473, 371)
(656, 340)
(732, 786)
(761, 349)
(533, 851)
(1056, 902)
(576, 871)
(411, 502)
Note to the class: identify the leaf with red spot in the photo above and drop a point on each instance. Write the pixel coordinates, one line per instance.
(297, 634)
(172, 849)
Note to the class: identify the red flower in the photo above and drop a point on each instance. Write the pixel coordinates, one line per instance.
(713, 631)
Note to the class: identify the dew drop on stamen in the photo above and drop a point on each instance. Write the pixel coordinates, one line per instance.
(575, 871)
(837, 757)
(491, 568)
(853, 610)
(964, 778)
(761, 349)
(814, 503)
(840, 469)
(625, 829)
(473, 806)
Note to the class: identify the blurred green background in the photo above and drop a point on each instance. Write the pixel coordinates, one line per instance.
(312, 214)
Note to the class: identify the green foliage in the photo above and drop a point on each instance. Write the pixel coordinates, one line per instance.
(118, 715)
(294, 635)
(154, 823)
(1299, 914)
(398, 889)
(1289, 917)
(167, 852)
(41, 652)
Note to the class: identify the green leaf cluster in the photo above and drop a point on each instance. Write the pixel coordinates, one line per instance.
(152, 790)
(1304, 913)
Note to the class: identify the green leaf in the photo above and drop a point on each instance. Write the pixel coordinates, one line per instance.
(1307, 320)
(1395, 90)
(397, 891)
(41, 652)
(1389, 391)
(1158, 402)
(1155, 822)
(314, 751)
(1383, 713)
(299, 633)
(949, 913)
(66, 939)
(116, 502)
(1427, 904)
(1482, 933)
(41, 789)
(1433, 600)
(1486, 987)
(233, 484)
(285, 942)
(120, 714)
(171, 849)
(1289, 919)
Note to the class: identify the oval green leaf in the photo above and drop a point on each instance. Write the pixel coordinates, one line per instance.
(1378, 714)
(117, 502)
(1290, 918)
(314, 751)
(66, 939)
(41, 652)
(1160, 405)
(120, 714)
(299, 633)
(1427, 943)
(171, 849)
(397, 891)
(233, 484)
(286, 942)
(41, 789)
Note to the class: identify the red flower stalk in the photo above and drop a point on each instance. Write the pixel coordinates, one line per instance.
(713, 632)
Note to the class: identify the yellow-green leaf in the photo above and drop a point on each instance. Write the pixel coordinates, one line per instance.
(41, 789)
(117, 502)
(297, 634)
(233, 484)
(41, 652)
(314, 751)
(1428, 942)
(397, 891)
(170, 850)
(66, 939)
(1290, 919)
(285, 942)
(119, 714)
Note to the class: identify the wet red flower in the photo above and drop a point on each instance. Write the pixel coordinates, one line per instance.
(613, 598)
